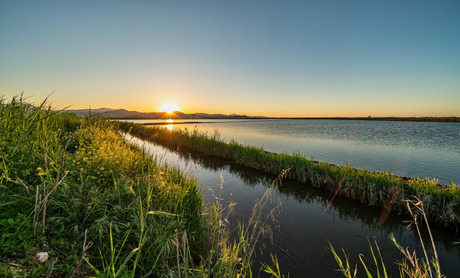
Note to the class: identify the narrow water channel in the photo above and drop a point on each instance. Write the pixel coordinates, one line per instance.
(305, 226)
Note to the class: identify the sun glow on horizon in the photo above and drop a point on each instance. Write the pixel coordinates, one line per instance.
(169, 107)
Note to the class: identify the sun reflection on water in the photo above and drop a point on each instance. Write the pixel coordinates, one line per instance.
(170, 125)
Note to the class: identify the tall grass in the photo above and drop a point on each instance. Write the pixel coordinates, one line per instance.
(68, 183)
(72, 187)
(411, 265)
(233, 252)
(382, 189)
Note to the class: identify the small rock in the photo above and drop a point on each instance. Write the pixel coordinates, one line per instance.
(41, 257)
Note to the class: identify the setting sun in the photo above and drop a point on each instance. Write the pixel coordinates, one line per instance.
(169, 107)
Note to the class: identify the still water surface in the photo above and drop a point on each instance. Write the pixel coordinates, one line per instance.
(305, 228)
(409, 149)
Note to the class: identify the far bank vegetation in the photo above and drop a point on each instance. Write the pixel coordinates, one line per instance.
(381, 189)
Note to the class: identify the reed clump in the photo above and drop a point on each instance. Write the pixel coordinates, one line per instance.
(382, 189)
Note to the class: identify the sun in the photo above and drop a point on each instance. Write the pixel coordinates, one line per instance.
(169, 107)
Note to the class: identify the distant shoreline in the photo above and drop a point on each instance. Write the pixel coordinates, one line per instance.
(395, 119)
(123, 114)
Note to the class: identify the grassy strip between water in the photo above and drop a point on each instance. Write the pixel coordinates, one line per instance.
(382, 189)
(77, 201)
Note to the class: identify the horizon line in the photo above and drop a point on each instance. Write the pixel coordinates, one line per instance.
(266, 117)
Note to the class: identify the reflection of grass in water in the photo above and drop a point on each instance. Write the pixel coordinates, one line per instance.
(411, 265)
(234, 258)
(371, 188)
(346, 210)
(292, 189)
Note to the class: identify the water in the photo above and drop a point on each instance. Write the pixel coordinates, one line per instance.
(306, 227)
(409, 149)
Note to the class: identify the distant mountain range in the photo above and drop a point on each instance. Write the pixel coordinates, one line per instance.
(125, 114)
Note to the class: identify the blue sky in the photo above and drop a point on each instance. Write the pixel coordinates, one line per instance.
(273, 58)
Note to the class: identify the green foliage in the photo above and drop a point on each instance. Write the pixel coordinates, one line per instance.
(14, 243)
(65, 179)
(72, 187)
(344, 265)
(273, 271)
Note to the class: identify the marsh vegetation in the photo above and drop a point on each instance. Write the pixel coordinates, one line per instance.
(74, 190)
(71, 188)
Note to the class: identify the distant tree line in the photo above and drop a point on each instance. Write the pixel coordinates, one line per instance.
(415, 119)
(401, 119)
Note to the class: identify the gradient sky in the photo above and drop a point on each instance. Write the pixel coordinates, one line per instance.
(273, 58)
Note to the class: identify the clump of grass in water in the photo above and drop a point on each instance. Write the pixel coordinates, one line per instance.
(371, 188)
(411, 265)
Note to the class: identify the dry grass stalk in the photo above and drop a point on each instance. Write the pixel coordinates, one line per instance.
(419, 210)
(86, 247)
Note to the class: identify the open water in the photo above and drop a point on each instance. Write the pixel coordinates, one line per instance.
(306, 227)
(409, 149)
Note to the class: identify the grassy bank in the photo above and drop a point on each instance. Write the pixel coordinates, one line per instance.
(72, 190)
(442, 203)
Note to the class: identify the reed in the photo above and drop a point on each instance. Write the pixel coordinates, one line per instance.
(69, 184)
(381, 189)
(72, 187)
(411, 266)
